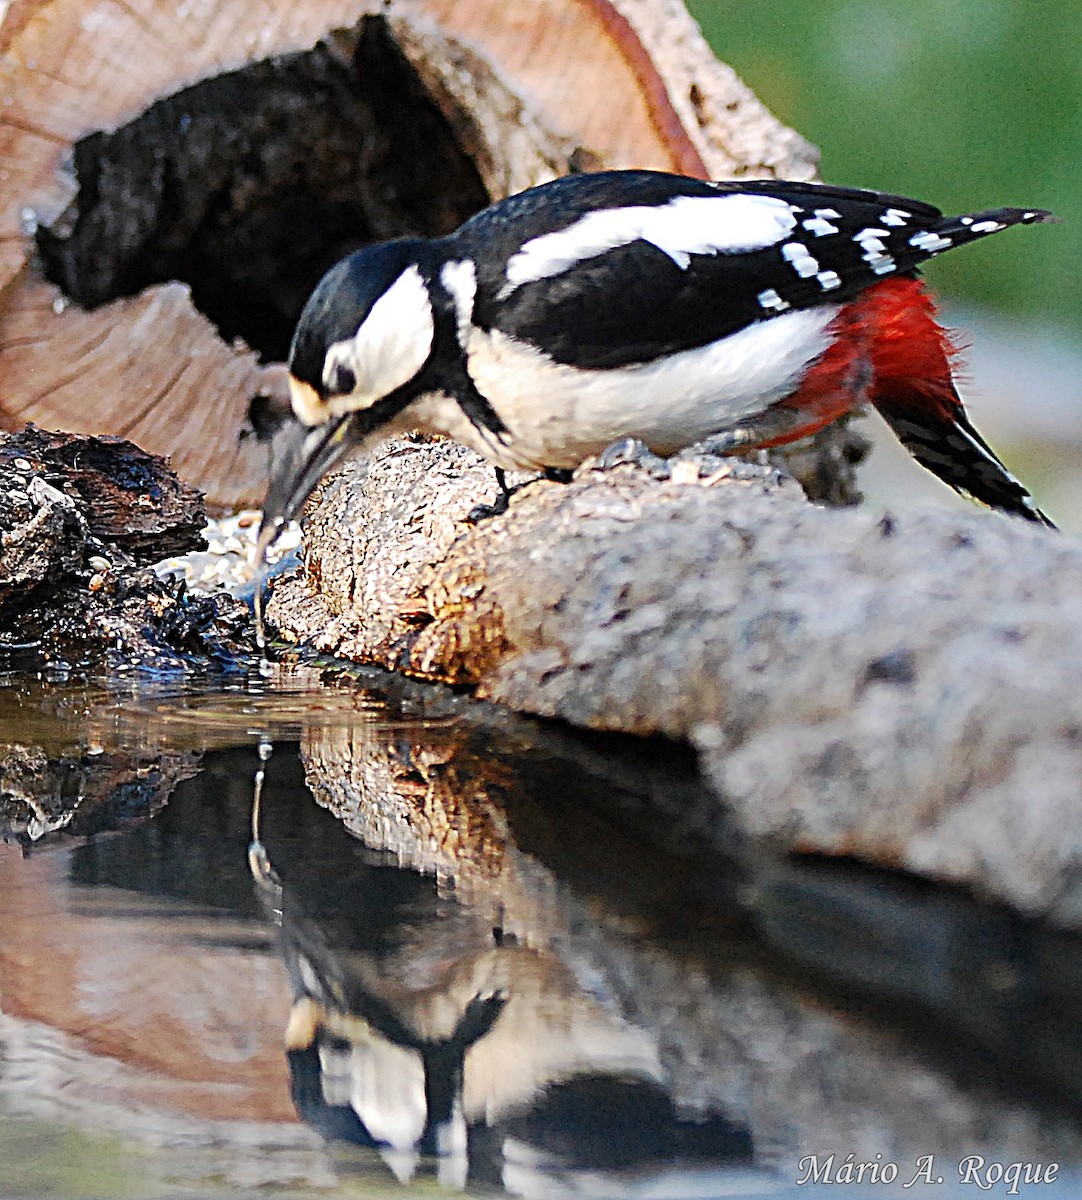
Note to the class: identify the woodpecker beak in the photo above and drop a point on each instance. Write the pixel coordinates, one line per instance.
(307, 455)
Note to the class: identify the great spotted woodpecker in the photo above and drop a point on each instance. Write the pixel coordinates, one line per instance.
(642, 305)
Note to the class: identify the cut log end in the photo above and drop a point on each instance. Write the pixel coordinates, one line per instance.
(183, 207)
(249, 185)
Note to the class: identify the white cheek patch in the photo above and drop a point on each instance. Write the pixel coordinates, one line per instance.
(687, 225)
(389, 349)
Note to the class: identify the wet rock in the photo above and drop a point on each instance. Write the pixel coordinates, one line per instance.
(83, 515)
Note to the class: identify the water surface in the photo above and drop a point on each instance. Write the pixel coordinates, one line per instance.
(459, 952)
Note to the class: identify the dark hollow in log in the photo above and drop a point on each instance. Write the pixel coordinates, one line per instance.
(248, 185)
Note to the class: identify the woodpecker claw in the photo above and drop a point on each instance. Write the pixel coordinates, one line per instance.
(482, 512)
(632, 450)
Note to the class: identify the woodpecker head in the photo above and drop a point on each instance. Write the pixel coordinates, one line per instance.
(362, 340)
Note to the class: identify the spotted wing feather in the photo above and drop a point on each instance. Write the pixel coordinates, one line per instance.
(635, 302)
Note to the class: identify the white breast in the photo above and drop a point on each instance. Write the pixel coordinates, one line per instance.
(557, 415)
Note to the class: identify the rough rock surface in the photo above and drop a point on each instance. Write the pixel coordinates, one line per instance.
(899, 690)
(82, 518)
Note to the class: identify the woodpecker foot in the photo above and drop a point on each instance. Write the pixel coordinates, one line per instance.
(479, 1017)
(711, 454)
(732, 441)
(482, 512)
(631, 450)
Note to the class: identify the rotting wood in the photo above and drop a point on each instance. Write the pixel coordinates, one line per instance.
(82, 517)
(524, 92)
(130, 498)
(900, 690)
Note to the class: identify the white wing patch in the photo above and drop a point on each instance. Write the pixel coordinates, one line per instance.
(556, 415)
(390, 347)
(687, 225)
(930, 242)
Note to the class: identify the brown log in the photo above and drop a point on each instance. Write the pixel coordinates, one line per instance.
(216, 148)
(902, 691)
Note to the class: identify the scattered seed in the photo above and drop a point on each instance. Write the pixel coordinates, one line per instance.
(684, 471)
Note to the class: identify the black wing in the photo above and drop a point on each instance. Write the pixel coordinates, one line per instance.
(636, 302)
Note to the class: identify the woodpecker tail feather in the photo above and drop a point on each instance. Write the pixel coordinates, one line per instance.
(914, 361)
(948, 445)
(958, 231)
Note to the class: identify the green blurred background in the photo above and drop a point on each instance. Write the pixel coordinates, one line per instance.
(966, 104)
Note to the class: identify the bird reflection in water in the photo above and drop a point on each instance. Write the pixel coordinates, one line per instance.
(491, 1066)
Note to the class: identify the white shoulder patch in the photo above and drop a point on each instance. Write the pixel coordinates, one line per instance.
(460, 279)
(390, 347)
(728, 224)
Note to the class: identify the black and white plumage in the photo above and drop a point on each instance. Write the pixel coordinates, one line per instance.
(644, 305)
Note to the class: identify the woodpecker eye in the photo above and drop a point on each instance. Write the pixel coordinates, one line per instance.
(342, 380)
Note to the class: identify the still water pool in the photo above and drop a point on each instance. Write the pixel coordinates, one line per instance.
(450, 951)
